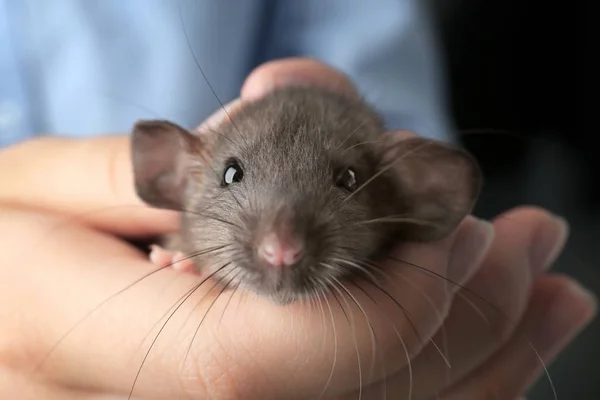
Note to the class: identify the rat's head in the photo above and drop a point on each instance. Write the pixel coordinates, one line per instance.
(284, 196)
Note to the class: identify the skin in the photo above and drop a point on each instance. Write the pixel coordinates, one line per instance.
(76, 223)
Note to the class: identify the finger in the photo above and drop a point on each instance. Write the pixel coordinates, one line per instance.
(486, 310)
(57, 292)
(551, 235)
(409, 306)
(292, 72)
(15, 385)
(559, 309)
(90, 181)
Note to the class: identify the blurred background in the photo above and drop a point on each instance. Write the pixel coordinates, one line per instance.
(524, 67)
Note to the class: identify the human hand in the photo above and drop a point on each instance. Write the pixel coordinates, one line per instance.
(254, 349)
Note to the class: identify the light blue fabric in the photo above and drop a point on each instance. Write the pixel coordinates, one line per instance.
(87, 67)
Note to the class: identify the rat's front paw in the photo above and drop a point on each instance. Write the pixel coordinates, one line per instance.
(165, 258)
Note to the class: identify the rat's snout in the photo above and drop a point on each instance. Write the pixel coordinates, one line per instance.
(280, 249)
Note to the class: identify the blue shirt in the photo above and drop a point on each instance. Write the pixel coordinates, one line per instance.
(81, 68)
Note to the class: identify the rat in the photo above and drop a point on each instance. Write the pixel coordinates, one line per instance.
(297, 189)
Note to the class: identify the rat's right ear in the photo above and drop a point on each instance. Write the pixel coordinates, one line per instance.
(439, 185)
(160, 154)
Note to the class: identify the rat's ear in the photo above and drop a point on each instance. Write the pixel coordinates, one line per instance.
(439, 185)
(160, 153)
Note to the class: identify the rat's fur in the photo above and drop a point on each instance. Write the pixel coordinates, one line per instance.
(292, 146)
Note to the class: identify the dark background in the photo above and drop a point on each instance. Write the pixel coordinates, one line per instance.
(524, 67)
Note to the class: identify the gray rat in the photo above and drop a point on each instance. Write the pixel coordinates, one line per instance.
(298, 189)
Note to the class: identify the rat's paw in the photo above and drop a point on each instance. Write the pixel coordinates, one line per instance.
(163, 258)
(159, 256)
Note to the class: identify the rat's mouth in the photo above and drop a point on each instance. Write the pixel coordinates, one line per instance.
(281, 286)
(286, 296)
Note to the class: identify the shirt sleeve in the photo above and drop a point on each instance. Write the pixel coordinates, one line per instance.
(387, 47)
(14, 125)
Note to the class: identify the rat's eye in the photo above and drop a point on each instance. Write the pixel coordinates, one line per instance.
(347, 179)
(233, 173)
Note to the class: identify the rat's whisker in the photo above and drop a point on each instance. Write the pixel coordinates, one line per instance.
(356, 265)
(435, 309)
(239, 148)
(215, 218)
(489, 303)
(459, 294)
(352, 324)
(368, 320)
(214, 251)
(187, 353)
(413, 327)
(351, 134)
(443, 354)
(163, 327)
(177, 302)
(402, 342)
(316, 295)
(228, 265)
(205, 251)
(102, 303)
(310, 297)
(233, 292)
(187, 38)
(474, 307)
(407, 316)
(195, 287)
(362, 144)
(383, 170)
(335, 340)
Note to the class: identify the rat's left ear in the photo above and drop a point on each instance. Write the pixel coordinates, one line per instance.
(439, 185)
(160, 154)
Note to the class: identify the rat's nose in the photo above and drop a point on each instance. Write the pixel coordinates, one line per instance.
(279, 251)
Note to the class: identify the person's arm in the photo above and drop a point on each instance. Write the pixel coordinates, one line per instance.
(387, 48)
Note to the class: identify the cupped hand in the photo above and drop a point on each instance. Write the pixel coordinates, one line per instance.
(67, 203)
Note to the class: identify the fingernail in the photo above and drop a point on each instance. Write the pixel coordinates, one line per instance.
(548, 244)
(471, 245)
(153, 253)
